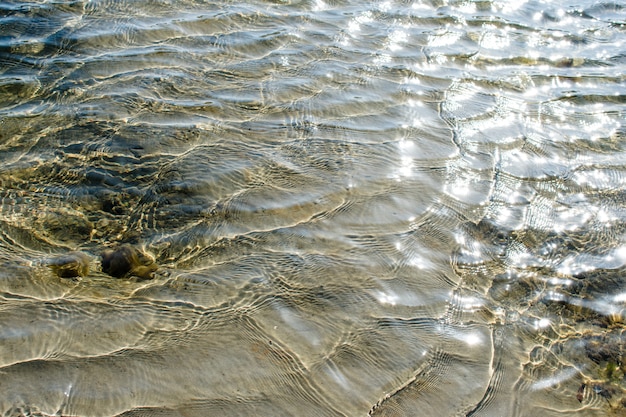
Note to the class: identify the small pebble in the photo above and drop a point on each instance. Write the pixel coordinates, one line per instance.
(71, 265)
(128, 261)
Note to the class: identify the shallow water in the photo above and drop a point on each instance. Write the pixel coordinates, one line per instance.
(396, 208)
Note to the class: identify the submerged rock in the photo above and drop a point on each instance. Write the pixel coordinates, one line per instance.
(71, 265)
(128, 261)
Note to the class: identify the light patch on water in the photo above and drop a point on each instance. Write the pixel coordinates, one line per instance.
(494, 38)
(573, 265)
(413, 259)
(555, 379)
(405, 165)
(503, 215)
(412, 81)
(300, 326)
(542, 323)
(338, 376)
(535, 91)
(421, 6)
(420, 262)
(581, 263)
(396, 39)
(602, 125)
(460, 238)
(386, 297)
(556, 296)
(515, 197)
(573, 219)
(603, 305)
(473, 339)
(415, 110)
(472, 254)
(381, 59)
(459, 189)
(620, 254)
(509, 6)
(557, 281)
(602, 215)
(518, 256)
(613, 260)
(620, 298)
(354, 26)
(319, 6)
(398, 295)
(385, 6)
(469, 304)
(68, 390)
(592, 178)
(468, 336)
(473, 153)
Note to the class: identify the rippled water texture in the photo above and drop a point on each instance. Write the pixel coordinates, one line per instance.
(394, 208)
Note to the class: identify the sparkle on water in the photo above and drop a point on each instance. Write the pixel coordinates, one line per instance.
(388, 208)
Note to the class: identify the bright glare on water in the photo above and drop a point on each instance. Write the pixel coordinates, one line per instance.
(327, 208)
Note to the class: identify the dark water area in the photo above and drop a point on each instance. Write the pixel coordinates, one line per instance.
(332, 208)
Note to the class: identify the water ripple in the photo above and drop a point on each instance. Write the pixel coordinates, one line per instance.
(387, 207)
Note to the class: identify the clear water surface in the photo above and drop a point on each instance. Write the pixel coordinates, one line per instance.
(392, 208)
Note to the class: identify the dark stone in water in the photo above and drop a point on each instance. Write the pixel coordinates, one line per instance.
(128, 261)
(71, 265)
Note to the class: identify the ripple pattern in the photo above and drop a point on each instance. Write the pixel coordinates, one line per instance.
(387, 208)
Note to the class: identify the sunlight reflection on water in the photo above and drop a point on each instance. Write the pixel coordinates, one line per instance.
(354, 208)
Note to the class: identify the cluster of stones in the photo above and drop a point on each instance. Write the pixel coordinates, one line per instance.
(121, 262)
